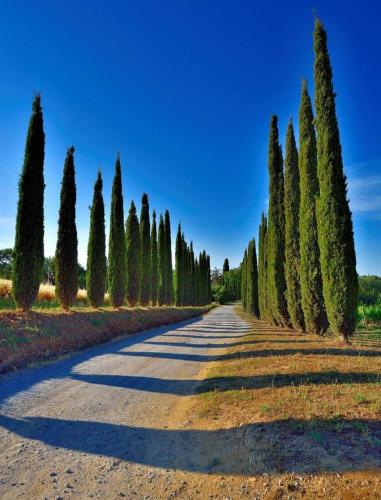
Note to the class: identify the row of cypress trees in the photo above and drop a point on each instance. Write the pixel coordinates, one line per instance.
(139, 259)
(192, 276)
(307, 264)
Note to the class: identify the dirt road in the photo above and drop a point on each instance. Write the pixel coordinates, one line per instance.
(102, 423)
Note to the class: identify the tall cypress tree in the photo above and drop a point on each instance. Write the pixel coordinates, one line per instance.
(252, 280)
(168, 254)
(225, 267)
(197, 300)
(315, 317)
(335, 229)
(154, 261)
(145, 253)
(179, 275)
(66, 276)
(96, 249)
(276, 279)
(133, 248)
(163, 268)
(28, 257)
(209, 282)
(292, 243)
(192, 276)
(244, 280)
(117, 243)
(262, 268)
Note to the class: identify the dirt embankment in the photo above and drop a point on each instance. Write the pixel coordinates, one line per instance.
(26, 338)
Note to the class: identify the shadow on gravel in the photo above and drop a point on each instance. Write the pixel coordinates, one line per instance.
(292, 445)
(14, 383)
(221, 384)
(213, 345)
(254, 354)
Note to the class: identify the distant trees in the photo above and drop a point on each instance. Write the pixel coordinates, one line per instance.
(29, 241)
(117, 244)
(225, 267)
(66, 276)
(96, 248)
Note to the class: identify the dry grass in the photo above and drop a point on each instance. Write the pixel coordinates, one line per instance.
(298, 403)
(46, 292)
(36, 336)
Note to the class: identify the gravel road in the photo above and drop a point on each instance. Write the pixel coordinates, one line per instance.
(98, 424)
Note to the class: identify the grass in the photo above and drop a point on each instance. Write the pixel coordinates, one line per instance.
(45, 334)
(46, 297)
(307, 403)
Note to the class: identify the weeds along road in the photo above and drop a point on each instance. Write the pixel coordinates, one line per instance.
(98, 424)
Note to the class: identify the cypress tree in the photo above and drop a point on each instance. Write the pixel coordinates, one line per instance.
(252, 280)
(145, 253)
(192, 276)
(185, 272)
(292, 240)
(262, 271)
(168, 254)
(315, 317)
(225, 267)
(117, 243)
(335, 229)
(197, 300)
(133, 242)
(96, 249)
(179, 284)
(163, 271)
(28, 257)
(154, 261)
(209, 283)
(244, 281)
(276, 279)
(66, 276)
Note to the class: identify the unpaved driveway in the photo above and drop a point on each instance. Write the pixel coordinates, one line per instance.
(100, 423)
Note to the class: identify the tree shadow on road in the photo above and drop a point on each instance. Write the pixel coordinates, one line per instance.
(293, 445)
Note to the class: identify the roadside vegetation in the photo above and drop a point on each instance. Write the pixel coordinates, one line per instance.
(301, 403)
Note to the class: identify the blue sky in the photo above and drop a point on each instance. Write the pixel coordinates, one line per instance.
(184, 90)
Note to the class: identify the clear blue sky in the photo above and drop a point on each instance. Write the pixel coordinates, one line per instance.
(184, 90)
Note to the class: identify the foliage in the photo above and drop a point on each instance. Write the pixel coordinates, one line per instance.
(96, 248)
(252, 280)
(154, 261)
(276, 280)
(262, 269)
(133, 256)
(315, 316)
(66, 277)
(145, 253)
(162, 264)
(225, 267)
(29, 240)
(335, 230)
(117, 244)
(291, 213)
(6, 259)
(169, 290)
(369, 290)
